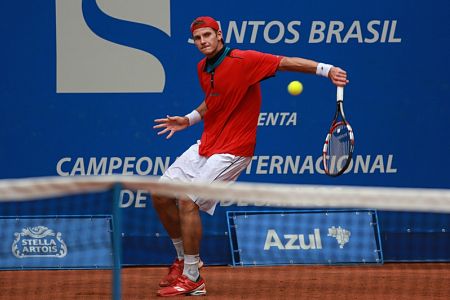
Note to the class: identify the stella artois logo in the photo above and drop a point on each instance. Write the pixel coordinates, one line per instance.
(38, 241)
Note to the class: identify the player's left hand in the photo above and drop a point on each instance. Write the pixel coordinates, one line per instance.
(172, 124)
(338, 76)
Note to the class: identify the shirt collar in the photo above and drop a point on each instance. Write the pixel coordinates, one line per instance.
(213, 62)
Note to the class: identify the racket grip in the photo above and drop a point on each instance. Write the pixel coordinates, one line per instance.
(340, 93)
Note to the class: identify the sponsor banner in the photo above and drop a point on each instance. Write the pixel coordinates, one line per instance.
(99, 72)
(259, 165)
(299, 237)
(85, 79)
(55, 242)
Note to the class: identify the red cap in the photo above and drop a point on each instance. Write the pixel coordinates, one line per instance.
(202, 22)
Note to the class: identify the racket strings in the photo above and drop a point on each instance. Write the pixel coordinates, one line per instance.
(339, 148)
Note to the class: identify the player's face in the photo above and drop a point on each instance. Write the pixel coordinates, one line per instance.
(207, 41)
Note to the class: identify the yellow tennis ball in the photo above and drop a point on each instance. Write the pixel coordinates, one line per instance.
(295, 88)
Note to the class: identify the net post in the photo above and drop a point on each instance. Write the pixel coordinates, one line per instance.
(117, 243)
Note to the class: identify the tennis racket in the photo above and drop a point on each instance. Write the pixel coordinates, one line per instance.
(339, 143)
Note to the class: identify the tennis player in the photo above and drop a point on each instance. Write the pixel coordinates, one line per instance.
(230, 79)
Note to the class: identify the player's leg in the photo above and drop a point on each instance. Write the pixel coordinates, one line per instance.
(191, 230)
(181, 170)
(167, 210)
(222, 167)
(190, 282)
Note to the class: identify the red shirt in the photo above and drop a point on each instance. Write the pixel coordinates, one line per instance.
(233, 99)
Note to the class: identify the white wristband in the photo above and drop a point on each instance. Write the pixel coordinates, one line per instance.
(323, 69)
(194, 117)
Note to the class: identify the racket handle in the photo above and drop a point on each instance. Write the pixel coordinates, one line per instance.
(340, 93)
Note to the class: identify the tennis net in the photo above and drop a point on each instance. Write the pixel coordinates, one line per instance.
(99, 237)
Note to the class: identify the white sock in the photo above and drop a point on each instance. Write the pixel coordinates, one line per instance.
(191, 266)
(178, 244)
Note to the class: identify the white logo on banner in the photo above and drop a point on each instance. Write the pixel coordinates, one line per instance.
(87, 63)
(38, 241)
(296, 31)
(342, 235)
(277, 119)
(293, 241)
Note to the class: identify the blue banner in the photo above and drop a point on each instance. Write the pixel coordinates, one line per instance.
(304, 237)
(83, 80)
(56, 242)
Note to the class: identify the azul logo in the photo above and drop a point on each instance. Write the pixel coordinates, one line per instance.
(293, 241)
(89, 62)
(38, 241)
(299, 242)
(342, 235)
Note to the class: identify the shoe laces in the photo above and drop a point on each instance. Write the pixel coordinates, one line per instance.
(174, 267)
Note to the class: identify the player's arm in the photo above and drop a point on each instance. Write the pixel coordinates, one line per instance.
(201, 109)
(297, 64)
(177, 123)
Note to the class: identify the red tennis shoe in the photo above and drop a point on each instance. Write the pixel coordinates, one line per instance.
(184, 286)
(175, 271)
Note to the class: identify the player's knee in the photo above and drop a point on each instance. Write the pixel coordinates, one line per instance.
(187, 206)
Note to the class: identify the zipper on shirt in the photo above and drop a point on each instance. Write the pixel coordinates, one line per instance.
(212, 79)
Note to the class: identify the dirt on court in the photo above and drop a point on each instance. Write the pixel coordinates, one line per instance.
(388, 281)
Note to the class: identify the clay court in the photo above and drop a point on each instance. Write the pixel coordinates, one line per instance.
(388, 281)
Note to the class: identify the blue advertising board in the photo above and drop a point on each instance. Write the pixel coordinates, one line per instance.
(304, 237)
(48, 242)
(83, 80)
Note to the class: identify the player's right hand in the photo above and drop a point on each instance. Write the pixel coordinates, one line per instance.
(172, 124)
(338, 76)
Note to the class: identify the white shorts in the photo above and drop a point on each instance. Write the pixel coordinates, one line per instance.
(192, 167)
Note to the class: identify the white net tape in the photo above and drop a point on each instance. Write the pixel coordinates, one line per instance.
(283, 195)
